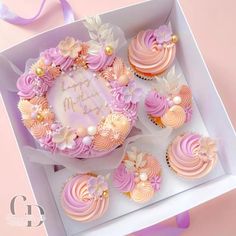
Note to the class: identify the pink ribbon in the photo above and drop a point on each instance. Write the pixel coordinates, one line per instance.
(12, 18)
(182, 221)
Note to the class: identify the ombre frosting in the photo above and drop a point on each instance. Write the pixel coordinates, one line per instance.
(169, 109)
(123, 179)
(80, 200)
(138, 176)
(156, 104)
(147, 56)
(99, 61)
(192, 156)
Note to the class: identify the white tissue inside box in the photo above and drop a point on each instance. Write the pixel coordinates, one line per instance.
(212, 119)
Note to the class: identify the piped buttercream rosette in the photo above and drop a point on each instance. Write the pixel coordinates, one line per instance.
(138, 176)
(85, 197)
(191, 155)
(152, 52)
(79, 99)
(169, 104)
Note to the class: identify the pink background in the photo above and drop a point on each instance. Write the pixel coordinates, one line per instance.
(212, 22)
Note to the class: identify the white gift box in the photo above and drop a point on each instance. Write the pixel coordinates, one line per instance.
(210, 117)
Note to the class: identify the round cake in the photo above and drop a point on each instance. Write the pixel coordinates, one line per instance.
(170, 103)
(152, 52)
(192, 156)
(138, 176)
(85, 197)
(79, 101)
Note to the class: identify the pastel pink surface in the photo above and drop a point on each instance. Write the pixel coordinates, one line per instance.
(212, 22)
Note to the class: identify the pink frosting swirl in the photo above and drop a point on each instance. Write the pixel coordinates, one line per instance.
(79, 204)
(78, 150)
(185, 158)
(146, 55)
(64, 62)
(123, 179)
(48, 79)
(26, 85)
(47, 143)
(100, 61)
(155, 104)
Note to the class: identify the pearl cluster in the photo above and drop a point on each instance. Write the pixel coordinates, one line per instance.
(87, 134)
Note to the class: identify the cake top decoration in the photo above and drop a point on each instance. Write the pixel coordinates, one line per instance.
(192, 155)
(79, 99)
(151, 52)
(138, 176)
(85, 197)
(169, 103)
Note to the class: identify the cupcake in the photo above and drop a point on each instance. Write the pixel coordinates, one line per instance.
(152, 52)
(138, 176)
(169, 103)
(85, 197)
(192, 156)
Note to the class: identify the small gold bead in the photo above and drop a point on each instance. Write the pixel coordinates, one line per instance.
(108, 50)
(39, 71)
(105, 194)
(175, 38)
(39, 117)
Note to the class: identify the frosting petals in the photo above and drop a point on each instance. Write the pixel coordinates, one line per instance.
(79, 204)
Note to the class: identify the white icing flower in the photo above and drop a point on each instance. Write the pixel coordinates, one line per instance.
(101, 35)
(208, 148)
(170, 84)
(64, 138)
(69, 47)
(135, 159)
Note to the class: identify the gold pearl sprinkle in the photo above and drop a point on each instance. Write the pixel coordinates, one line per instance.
(39, 117)
(39, 71)
(105, 194)
(108, 50)
(175, 38)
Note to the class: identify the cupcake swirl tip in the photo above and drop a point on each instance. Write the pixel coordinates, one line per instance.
(192, 156)
(138, 176)
(85, 198)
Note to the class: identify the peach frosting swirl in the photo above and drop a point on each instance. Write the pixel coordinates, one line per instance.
(138, 176)
(175, 117)
(146, 57)
(192, 156)
(143, 192)
(78, 202)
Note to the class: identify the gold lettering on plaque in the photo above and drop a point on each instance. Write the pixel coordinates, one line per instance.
(80, 102)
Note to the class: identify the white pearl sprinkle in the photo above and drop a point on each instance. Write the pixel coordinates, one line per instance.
(177, 100)
(87, 140)
(92, 130)
(143, 176)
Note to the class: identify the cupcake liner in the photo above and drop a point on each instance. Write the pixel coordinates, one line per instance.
(156, 121)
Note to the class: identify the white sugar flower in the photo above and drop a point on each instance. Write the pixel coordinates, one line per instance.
(101, 35)
(208, 148)
(170, 84)
(64, 138)
(135, 160)
(69, 47)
